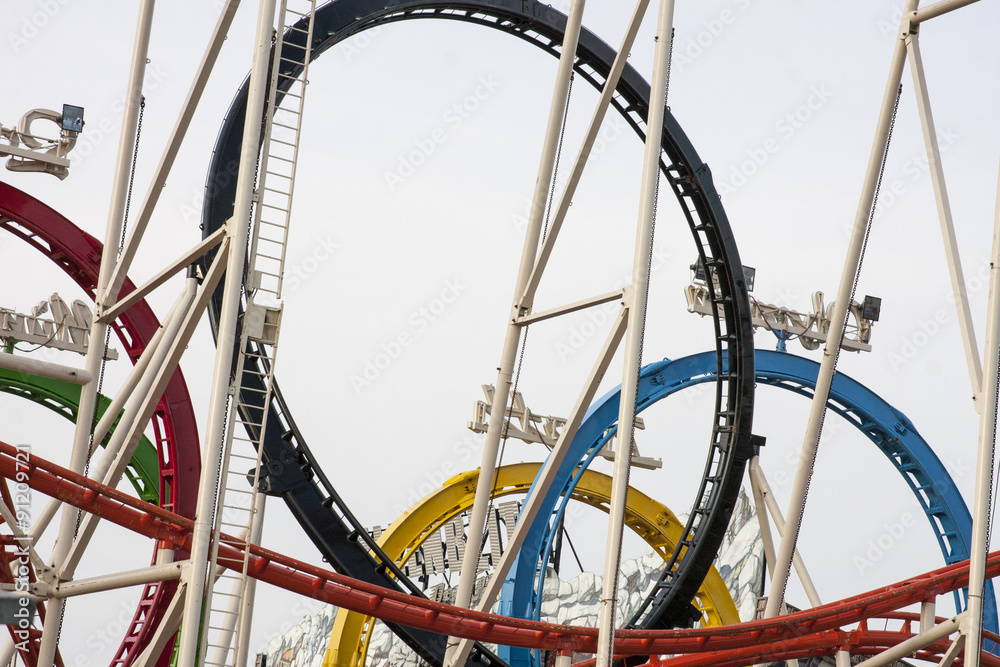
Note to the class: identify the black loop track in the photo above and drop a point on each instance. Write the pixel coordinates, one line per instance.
(294, 473)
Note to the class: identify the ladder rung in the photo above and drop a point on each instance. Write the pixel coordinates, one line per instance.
(287, 110)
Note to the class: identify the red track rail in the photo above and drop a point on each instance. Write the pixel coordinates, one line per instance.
(79, 255)
(810, 632)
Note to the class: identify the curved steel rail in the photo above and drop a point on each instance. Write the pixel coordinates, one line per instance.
(315, 503)
(889, 429)
(648, 518)
(63, 398)
(730, 645)
(174, 426)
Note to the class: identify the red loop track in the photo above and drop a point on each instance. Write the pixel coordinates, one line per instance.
(174, 426)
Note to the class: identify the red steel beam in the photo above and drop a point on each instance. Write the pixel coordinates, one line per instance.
(810, 630)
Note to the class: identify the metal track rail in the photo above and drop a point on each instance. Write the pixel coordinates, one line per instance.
(321, 511)
(803, 633)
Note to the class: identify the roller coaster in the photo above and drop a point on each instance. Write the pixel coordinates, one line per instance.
(199, 495)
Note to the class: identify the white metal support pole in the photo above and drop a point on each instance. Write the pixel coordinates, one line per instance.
(927, 614)
(761, 508)
(596, 121)
(173, 146)
(779, 526)
(477, 522)
(221, 382)
(636, 326)
(135, 387)
(843, 659)
(134, 420)
(972, 357)
(98, 330)
(973, 625)
(545, 477)
(104, 425)
(913, 644)
(242, 647)
(135, 375)
(810, 443)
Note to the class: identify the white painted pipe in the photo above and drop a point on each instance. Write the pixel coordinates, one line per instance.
(491, 448)
(911, 645)
(779, 524)
(824, 379)
(128, 387)
(637, 298)
(250, 591)
(108, 582)
(189, 651)
(98, 330)
(985, 457)
(110, 467)
(46, 369)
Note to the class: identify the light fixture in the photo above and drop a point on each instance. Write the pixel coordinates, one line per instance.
(870, 308)
(72, 118)
(699, 270)
(749, 275)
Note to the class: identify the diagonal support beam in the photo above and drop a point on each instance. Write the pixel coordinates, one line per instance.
(110, 314)
(838, 321)
(914, 644)
(170, 152)
(937, 9)
(566, 199)
(525, 320)
(112, 465)
(951, 251)
(546, 476)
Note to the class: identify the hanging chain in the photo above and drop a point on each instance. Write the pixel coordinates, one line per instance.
(91, 445)
(121, 245)
(854, 289)
(524, 341)
(555, 169)
(623, 449)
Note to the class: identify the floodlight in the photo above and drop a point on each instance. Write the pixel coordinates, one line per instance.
(699, 270)
(870, 308)
(749, 274)
(72, 118)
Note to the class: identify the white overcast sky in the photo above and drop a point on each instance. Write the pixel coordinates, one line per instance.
(374, 255)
